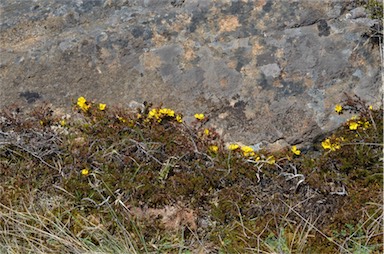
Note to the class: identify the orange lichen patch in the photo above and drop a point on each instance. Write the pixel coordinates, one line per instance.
(158, 39)
(232, 64)
(26, 44)
(228, 24)
(182, 20)
(277, 83)
(189, 53)
(224, 83)
(257, 48)
(259, 5)
(308, 82)
(104, 53)
(150, 61)
(279, 53)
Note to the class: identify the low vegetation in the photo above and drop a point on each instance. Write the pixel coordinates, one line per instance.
(105, 179)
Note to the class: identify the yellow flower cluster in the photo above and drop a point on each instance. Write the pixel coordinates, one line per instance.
(199, 117)
(333, 146)
(233, 147)
(213, 148)
(83, 104)
(295, 150)
(353, 125)
(247, 151)
(161, 113)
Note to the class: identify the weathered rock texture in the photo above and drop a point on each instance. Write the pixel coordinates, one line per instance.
(262, 70)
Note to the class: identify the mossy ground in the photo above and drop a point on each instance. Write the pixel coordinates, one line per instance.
(122, 181)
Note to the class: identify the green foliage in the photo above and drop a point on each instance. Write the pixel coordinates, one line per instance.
(110, 179)
(375, 9)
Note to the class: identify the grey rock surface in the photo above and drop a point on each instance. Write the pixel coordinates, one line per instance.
(262, 70)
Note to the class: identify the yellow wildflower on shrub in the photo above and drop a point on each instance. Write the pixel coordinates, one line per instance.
(153, 114)
(271, 160)
(159, 114)
(353, 125)
(85, 172)
(233, 147)
(247, 151)
(179, 118)
(214, 148)
(338, 108)
(63, 123)
(206, 132)
(82, 103)
(166, 112)
(295, 150)
(102, 106)
(121, 119)
(370, 107)
(327, 144)
(364, 124)
(199, 116)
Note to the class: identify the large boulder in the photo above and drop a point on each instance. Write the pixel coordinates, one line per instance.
(263, 70)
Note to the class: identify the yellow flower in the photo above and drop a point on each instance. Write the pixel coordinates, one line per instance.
(335, 146)
(214, 148)
(206, 132)
(366, 125)
(295, 150)
(233, 147)
(102, 106)
(353, 125)
(247, 151)
(338, 108)
(85, 172)
(179, 118)
(167, 112)
(121, 119)
(41, 122)
(370, 107)
(153, 114)
(63, 123)
(82, 103)
(326, 144)
(271, 160)
(199, 116)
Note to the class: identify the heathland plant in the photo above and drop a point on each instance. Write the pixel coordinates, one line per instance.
(105, 179)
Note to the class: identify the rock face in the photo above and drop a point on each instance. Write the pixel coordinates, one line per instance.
(262, 70)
